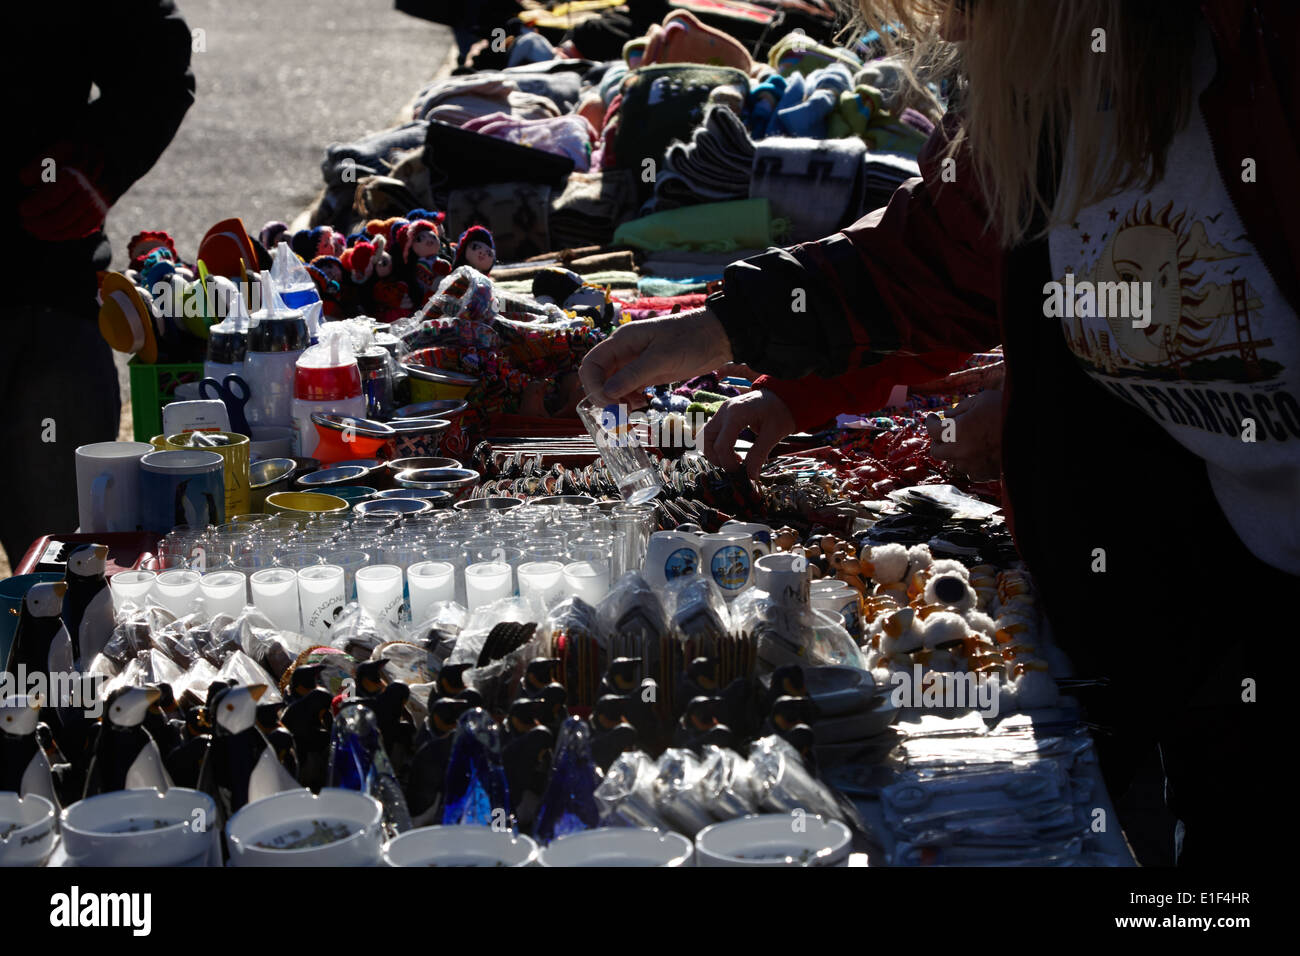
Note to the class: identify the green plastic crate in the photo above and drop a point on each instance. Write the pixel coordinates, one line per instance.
(152, 387)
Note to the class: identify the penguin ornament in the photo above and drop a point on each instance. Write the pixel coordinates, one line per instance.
(125, 755)
(240, 766)
(41, 643)
(24, 768)
(88, 604)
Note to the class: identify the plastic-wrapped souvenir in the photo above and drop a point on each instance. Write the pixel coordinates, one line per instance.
(574, 637)
(626, 794)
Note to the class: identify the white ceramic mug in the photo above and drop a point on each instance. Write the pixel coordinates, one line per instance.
(761, 533)
(669, 555)
(728, 557)
(108, 485)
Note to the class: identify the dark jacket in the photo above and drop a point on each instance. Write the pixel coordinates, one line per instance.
(1082, 470)
(136, 53)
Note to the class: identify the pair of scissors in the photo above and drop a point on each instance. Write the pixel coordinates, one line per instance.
(233, 392)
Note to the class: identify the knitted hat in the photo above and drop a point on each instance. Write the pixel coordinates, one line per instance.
(359, 261)
(406, 234)
(386, 228)
(272, 232)
(472, 234)
(143, 243)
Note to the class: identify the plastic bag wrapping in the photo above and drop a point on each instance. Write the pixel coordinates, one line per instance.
(407, 662)
(251, 631)
(679, 794)
(465, 293)
(572, 634)
(633, 623)
(782, 784)
(358, 634)
(439, 630)
(496, 678)
(337, 667)
(195, 681)
(626, 794)
(282, 650)
(781, 634)
(833, 644)
(727, 783)
(132, 634)
(702, 626)
(243, 670)
(163, 669)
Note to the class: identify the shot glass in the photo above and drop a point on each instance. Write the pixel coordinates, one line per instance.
(275, 593)
(429, 582)
(350, 560)
(379, 591)
(627, 461)
(178, 591)
(131, 587)
(487, 581)
(321, 593)
(542, 581)
(224, 592)
(588, 580)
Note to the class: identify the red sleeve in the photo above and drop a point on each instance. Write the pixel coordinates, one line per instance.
(814, 401)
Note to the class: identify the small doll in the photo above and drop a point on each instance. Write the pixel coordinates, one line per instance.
(390, 295)
(476, 249)
(273, 233)
(326, 286)
(321, 241)
(420, 245)
(143, 243)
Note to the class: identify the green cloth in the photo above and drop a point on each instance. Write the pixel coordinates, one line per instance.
(702, 409)
(861, 112)
(707, 227)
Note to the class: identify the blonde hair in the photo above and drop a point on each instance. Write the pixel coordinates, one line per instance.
(1033, 93)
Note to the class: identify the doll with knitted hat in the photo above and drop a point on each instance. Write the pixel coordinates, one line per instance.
(143, 243)
(418, 244)
(476, 249)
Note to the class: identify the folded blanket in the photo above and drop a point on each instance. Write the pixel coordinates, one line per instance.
(710, 227)
(714, 165)
(590, 207)
(814, 184)
(570, 135)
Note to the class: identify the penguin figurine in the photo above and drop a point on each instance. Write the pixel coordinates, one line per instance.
(388, 701)
(540, 672)
(241, 766)
(527, 758)
(185, 760)
(611, 733)
(788, 713)
(304, 679)
(308, 720)
(278, 736)
(787, 681)
(451, 680)
(700, 725)
(638, 698)
(24, 767)
(125, 755)
(41, 643)
(555, 710)
(427, 774)
(158, 720)
(88, 603)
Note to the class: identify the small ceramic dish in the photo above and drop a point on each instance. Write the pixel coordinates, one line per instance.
(28, 829)
(459, 481)
(460, 845)
(837, 690)
(404, 507)
(439, 499)
(298, 828)
(139, 828)
(334, 475)
(772, 839)
(619, 846)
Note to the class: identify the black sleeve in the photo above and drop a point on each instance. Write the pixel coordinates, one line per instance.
(145, 88)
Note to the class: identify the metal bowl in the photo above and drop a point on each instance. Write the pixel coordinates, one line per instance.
(419, 463)
(404, 507)
(493, 503)
(335, 475)
(439, 499)
(447, 408)
(564, 500)
(266, 477)
(459, 481)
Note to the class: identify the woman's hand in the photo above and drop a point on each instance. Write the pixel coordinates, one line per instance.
(759, 410)
(652, 352)
(976, 436)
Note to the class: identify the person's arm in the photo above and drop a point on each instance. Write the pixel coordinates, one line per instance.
(145, 88)
(919, 276)
(142, 69)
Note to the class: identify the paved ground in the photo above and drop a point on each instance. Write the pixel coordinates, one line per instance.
(277, 83)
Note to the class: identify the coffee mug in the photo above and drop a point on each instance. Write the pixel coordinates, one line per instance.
(182, 487)
(235, 454)
(728, 558)
(761, 534)
(671, 554)
(108, 485)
